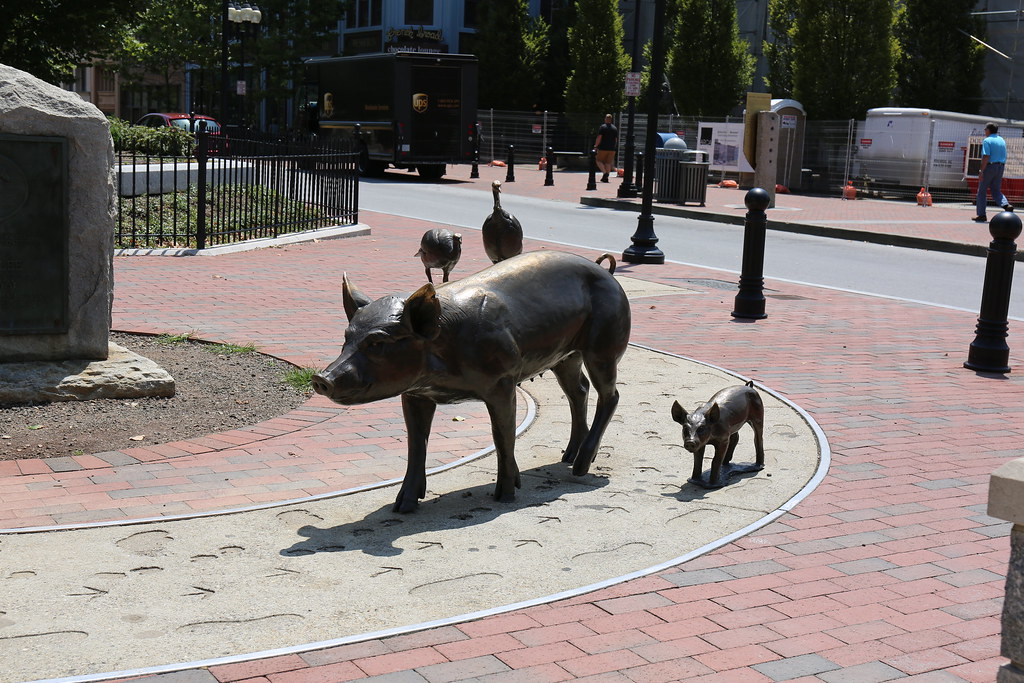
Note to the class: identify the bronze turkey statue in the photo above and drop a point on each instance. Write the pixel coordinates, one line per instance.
(503, 236)
(440, 248)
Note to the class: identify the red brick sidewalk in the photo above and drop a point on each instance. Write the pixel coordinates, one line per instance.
(889, 569)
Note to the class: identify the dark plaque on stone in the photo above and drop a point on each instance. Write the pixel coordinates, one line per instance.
(33, 234)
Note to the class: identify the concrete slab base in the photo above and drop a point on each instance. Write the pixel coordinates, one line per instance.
(124, 374)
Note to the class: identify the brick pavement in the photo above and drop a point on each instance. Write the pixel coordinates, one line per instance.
(889, 569)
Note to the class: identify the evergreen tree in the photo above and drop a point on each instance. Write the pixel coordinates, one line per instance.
(940, 67)
(778, 51)
(844, 56)
(709, 66)
(554, 70)
(509, 46)
(599, 64)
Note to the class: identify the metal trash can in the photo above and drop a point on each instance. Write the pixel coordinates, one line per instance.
(667, 170)
(693, 177)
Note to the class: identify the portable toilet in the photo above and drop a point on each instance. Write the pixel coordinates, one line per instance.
(792, 123)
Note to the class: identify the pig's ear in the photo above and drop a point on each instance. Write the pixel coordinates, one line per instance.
(352, 297)
(714, 413)
(422, 312)
(678, 413)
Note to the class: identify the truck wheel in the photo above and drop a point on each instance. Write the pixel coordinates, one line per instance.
(431, 171)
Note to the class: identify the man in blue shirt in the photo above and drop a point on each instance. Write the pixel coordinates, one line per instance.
(990, 177)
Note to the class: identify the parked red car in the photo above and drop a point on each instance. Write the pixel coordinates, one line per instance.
(218, 140)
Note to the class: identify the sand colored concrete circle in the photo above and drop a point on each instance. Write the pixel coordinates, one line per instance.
(131, 597)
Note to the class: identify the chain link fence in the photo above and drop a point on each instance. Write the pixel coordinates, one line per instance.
(835, 153)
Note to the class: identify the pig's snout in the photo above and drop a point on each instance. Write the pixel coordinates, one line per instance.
(322, 385)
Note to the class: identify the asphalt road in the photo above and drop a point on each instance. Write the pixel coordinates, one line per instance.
(931, 277)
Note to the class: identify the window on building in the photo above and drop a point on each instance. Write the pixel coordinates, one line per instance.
(81, 79)
(469, 13)
(368, 13)
(419, 12)
(105, 79)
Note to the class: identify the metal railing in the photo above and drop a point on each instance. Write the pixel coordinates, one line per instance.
(253, 188)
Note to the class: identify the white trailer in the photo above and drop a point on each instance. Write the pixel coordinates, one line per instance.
(908, 147)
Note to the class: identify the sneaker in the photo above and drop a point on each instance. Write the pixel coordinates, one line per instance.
(1007, 207)
(980, 219)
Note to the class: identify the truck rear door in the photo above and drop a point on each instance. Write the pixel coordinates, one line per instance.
(434, 127)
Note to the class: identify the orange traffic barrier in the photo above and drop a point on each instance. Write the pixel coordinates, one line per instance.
(924, 198)
(849, 192)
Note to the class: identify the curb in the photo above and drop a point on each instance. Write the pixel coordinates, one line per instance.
(804, 229)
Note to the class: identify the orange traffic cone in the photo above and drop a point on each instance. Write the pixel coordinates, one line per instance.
(849, 192)
(924, 198)
(543, 165)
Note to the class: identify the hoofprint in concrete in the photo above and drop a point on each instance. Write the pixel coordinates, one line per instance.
(339, 567)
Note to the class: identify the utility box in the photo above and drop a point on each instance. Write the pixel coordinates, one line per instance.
(792, 124)
(667, 170)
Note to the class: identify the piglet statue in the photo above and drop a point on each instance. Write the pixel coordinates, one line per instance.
(718, 422)
(476, 339)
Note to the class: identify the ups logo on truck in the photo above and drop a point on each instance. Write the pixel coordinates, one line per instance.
(420, 102)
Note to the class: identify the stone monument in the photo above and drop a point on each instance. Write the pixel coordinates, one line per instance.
(57, 211)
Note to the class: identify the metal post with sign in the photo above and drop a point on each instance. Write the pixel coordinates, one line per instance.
(627, 189)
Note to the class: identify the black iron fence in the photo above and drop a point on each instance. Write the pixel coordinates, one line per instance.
(234, 190)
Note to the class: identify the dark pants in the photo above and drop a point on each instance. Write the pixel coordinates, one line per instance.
(991, 179)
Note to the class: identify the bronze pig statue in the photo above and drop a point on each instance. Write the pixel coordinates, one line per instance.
(476, 339)
(718, 422)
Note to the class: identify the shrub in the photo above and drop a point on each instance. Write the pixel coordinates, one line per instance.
(168, 141)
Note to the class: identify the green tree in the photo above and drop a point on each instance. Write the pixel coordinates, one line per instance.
(48, 38)
(555, 68)
(844, 56)
(163, 38)
(778, 51)
(709, 66)
(940, 67)
(290, 31)
(599, 64)
(511, 49)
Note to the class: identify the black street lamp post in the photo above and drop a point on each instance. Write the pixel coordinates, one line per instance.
(241, 16)
(627, 189)
(644, 249)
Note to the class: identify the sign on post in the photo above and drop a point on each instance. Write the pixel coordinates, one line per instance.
(633, 84)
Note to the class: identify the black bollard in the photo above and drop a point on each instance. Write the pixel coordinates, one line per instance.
(639, 169)
(474, 172)
(989, 351)
(510, 173)
(592, 176)
(749, 301)
(549, 174)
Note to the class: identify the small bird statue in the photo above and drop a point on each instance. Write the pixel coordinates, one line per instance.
(503, 235)
(440, 248)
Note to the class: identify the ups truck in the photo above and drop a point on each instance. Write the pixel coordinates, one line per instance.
(403, 109)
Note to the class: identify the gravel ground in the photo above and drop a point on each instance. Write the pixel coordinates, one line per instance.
(215, 391)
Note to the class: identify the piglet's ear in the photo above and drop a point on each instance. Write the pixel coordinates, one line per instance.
(714, 413)
(422, 313)
(678, 413)
(351, 297)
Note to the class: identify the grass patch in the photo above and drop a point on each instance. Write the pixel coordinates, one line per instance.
(228, 349)
(300, 378)
(172, 339)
